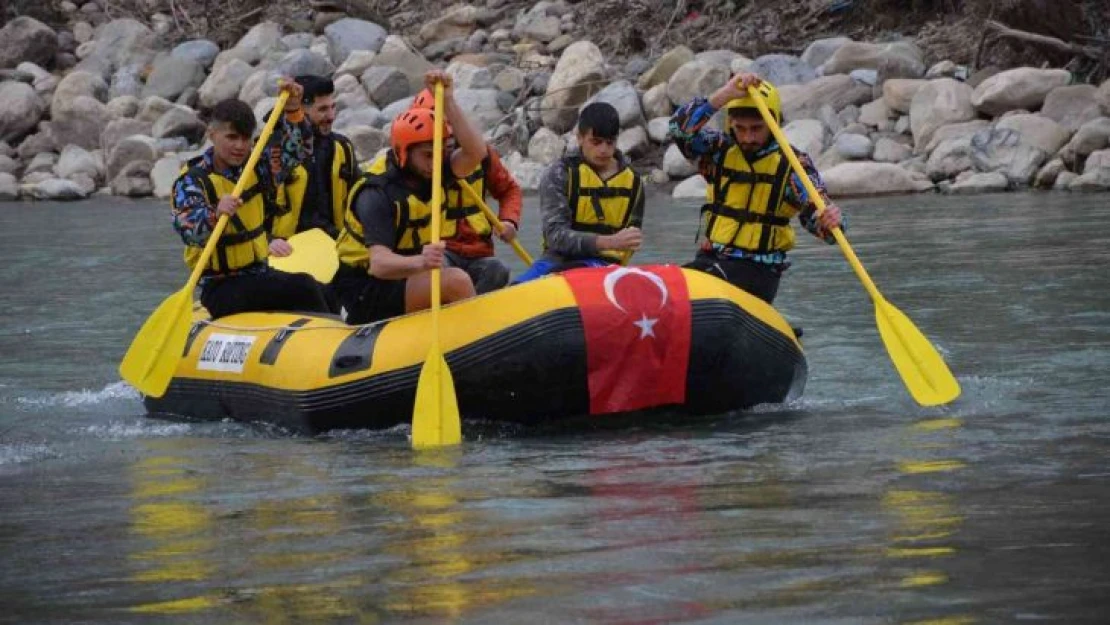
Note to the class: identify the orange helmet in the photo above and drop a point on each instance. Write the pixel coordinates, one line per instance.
(424, 100)
(412, 127)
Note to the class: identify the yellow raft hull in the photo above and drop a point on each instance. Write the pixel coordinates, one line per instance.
(517, 354)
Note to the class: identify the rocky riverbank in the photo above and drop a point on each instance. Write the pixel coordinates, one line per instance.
(106, 106)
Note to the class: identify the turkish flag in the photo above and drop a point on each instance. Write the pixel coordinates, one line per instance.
(637, 326)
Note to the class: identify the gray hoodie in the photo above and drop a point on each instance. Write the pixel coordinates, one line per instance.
(563, 242)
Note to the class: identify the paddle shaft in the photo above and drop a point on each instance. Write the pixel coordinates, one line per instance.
(437, 203)
(248, 170)
(814, 196)
(492, 217)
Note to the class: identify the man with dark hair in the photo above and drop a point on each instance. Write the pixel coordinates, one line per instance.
(470, 246)
(385, 250)
(316, 196)
(591, 201)
(238, 277)
(752, 193)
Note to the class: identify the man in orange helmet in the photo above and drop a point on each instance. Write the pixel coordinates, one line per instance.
(471, 248)
(384, 247)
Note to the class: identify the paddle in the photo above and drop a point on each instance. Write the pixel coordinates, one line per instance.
(922, 369)
(517, 247)
(435, 417)
(152, 358)
(313, 253)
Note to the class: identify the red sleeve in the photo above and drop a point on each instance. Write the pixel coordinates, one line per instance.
(504, 189)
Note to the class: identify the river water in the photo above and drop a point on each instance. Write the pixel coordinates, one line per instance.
(852, 505)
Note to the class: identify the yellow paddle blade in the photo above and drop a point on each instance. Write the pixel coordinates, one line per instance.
(435, 418)
(151, 361)
(313, 253)
(923, 371)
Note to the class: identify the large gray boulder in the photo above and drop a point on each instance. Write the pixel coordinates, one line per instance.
(261, 40)
(821, 50)
(940, 102)
(350, 34)
(171, 76)
(301, 62)
(20, 110)
(224, 82)
(1001, 149)
(27, 39)
(1072, 106)
(869, 178)
(623, 97)
(836, 92)
(119, 43)
(396, 52)
(665, 67)
(696, 78)
(782, 69)
(1022, 88)
(201, 51)
(576, 78)
(898, 59)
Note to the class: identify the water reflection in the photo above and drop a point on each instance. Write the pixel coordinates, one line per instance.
(922, 539)
(174, 530)
(447, 551)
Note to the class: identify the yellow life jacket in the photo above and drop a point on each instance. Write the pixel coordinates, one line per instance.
(458, 202)
(343, 168)
(746, 207)
(244, 241)
(601, 206)
(289, 202)
(412, 219)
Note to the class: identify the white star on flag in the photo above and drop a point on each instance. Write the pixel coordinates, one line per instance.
(646, 326)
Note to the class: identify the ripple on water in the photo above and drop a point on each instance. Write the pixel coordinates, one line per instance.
(140, 428)
(16, 453)
(85, 397)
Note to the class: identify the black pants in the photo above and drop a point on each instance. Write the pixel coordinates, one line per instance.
(487, 273)
(270, 290)
(759, 279)
(366, 298)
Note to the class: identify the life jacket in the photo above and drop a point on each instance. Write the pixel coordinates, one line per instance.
(458, 202)
(601, 206)
(289, 201)
(746, 208)
(412, 217)
(244, 241)
(343, 168)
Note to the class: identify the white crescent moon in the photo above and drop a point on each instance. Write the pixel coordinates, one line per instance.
(615, 276)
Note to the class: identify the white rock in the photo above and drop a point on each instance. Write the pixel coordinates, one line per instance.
(577, 76)
(659, 129)
(870, 178)
(1018, 88)
(692, 187)
(56, 189)
(991, 182)
(939, 103)
(675, 164)
(546, 147)
(633, 141)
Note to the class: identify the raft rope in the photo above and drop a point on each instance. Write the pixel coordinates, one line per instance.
(287, 328)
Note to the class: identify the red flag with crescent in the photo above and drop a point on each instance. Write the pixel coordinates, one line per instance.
(637, 327)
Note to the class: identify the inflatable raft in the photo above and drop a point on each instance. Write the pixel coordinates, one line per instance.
(588, 343)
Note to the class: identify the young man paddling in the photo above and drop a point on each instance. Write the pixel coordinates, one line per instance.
(238, 277)
(752, 192)
(466, 230)
(591, 200)
(317, 193)
(384, 249)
